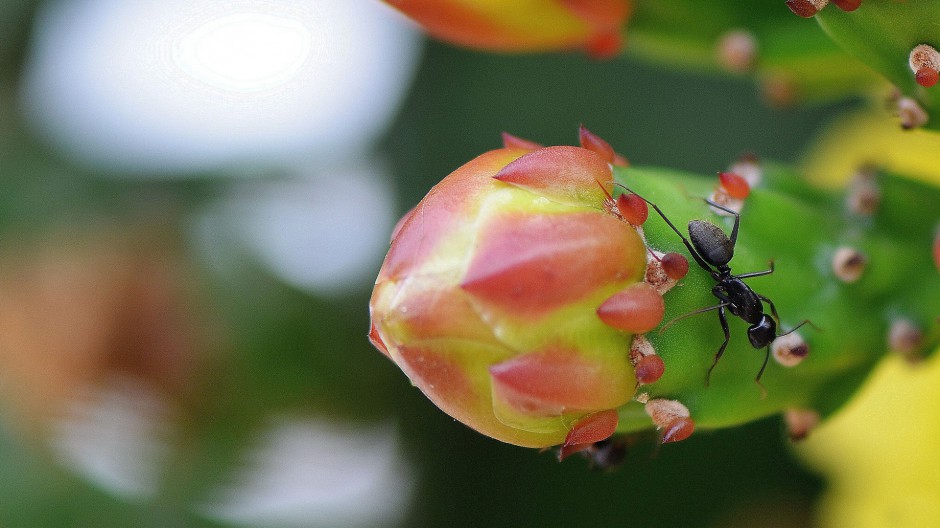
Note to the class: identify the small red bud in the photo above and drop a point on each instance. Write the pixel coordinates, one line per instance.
(678, 430)
(675, 265)
(636, 309)
(633, 209)
(593, 142)
(736, 186)
(847, 5)
(927, 77)
(649, 369)
(805, 8)
(924, 61)
(672, 417)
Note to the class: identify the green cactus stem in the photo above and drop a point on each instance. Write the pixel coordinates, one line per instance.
(791, 59)
(882, 281)
(883, 34)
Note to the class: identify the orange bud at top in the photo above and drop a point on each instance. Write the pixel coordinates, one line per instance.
(538, 25)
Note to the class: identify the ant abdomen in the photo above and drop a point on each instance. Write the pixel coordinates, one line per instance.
(711, 242)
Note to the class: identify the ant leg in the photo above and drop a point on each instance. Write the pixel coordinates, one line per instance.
(698, 258)
(757, 273)
(761, 373)
(773, 310)
(737, 219)
(721, 349)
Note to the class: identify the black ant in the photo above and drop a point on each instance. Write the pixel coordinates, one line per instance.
(711, 247)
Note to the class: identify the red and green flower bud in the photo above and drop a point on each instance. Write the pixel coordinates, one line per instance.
(535, 25)
(488, 299)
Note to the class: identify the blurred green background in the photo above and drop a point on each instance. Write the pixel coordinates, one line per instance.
(163, 363)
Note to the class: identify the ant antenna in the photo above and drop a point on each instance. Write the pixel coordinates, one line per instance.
(694, 312)
(797, 327)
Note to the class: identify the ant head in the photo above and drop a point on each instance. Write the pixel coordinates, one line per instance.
(762, 333)
(711, 242)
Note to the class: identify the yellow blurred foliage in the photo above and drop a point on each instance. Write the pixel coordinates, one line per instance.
(876, 139)
(882, 451)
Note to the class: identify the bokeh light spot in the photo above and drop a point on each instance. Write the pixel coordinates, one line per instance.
(244, 52)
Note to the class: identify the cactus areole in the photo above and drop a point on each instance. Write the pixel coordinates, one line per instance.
(523, 295)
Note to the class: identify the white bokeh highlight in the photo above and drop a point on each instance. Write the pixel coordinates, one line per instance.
(116, 436)
(323, 233)
(317, 473)
(198, 85)
(244, 52)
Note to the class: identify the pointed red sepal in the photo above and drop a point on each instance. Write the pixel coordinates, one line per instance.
(621, 161)
(556, 381)
(736, 186)
(511, 141)
(401, 222)
(678, 430)
(595, 143)
(633, 209)
(438, 376)
(636, 309)
(593, 428)
(649, 369)
(530, 264)
(588, 430)
(568, 450)
(569, 175)
(442, 313)
(377, 342)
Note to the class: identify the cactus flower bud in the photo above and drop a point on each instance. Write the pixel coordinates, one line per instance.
(540, 25)
(488, 297)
